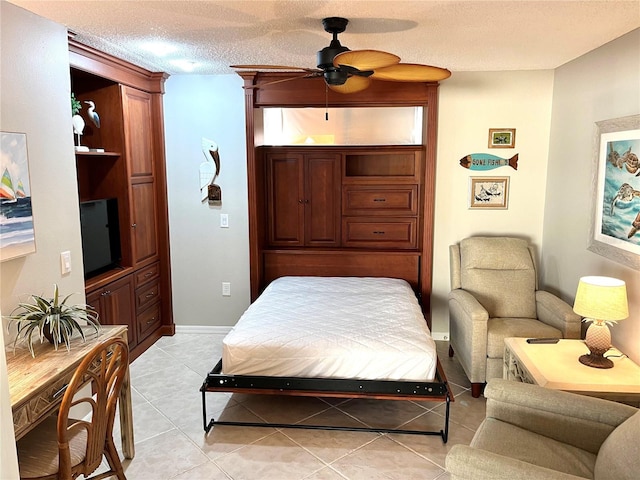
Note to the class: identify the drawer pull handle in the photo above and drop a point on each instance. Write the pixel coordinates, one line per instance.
(379, 199)
(378, 232)
(149, 295)
(153, 319)
(59, 392)
(148, 274)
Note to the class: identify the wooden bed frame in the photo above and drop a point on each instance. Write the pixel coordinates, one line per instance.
(332, 264)
(268, 263)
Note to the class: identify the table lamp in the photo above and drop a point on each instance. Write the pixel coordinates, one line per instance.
(602, 301)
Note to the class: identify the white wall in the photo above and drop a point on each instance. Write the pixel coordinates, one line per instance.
(601, 85)
(35, 100)
(471, 103)
(203, 255)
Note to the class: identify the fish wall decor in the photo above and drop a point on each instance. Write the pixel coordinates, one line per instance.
(486, 161)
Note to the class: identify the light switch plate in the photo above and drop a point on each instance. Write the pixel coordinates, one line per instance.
(65, 262)
(224, 220)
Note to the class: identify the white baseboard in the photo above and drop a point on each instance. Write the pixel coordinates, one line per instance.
(203, 329)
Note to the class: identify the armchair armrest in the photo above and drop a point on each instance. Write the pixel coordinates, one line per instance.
(468, 329)
(557, 313)
(464, 462)
(468, 305)
(578, 420)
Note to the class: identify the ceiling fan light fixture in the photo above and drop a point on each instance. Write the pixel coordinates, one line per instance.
(334, 76)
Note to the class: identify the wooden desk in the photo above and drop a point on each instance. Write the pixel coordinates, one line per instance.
(556, 366)
(36, 385)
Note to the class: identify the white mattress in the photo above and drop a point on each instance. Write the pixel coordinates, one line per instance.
(333, 327)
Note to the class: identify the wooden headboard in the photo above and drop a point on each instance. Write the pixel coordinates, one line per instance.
(404, 265)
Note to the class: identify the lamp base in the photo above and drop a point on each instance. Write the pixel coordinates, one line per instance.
(595, 360)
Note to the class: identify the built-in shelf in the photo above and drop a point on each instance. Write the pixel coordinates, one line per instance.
(98, 154)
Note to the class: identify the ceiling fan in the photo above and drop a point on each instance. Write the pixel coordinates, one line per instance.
(347, 71)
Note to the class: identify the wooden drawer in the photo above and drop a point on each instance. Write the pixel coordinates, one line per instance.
(380, 200)
(147, 274)
(366, 232)
(147, 295)
(148, 321)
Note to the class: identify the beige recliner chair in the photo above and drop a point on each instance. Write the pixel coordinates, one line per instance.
(531, 432)
(494, 295)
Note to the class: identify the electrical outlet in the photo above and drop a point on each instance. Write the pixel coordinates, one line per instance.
(65, 262)
(226, 289)
(224, 220)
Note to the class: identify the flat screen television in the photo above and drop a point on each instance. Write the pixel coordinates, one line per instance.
(100, 235)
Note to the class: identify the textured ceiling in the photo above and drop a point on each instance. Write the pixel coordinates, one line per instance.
(459, 35)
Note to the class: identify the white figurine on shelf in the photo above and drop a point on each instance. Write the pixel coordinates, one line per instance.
(78, 127)
(93, 115)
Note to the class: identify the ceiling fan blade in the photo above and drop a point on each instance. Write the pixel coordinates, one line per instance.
(352, 85)
(275, 67)
(366, 59)
(411, 72)
(310, 75)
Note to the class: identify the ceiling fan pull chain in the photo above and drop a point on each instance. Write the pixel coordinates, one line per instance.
(326, 102)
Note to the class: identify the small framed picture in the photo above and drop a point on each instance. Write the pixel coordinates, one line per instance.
(502, 138)
(488, 193)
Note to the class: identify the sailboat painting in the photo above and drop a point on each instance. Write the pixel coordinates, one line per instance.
(17, 237)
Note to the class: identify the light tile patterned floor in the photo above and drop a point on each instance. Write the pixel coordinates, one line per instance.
(171, 443)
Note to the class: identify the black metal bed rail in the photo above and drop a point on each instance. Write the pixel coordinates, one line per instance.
(328, 387)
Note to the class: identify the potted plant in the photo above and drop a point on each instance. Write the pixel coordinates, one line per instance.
(52, 319)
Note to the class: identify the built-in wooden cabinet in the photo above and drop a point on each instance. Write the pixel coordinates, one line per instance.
(343, 197)
(136, 292)
(303, 198)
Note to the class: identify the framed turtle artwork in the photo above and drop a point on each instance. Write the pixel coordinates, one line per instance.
(615, 228)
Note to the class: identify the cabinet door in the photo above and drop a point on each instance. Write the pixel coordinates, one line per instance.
(322, 200)
(285, 197)
(115, 305)
(138, 131)
(143, 212)
(118, 301)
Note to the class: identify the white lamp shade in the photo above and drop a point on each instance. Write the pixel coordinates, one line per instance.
(601, 298)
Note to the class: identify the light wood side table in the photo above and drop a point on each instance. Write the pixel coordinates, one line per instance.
(556, 366)
(36, 385)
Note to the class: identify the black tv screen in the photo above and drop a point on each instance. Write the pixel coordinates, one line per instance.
(100, 235)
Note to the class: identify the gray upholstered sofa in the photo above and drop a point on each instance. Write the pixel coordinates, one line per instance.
(494, 295)
(531, 432)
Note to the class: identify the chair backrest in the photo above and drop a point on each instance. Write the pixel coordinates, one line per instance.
(105, 367)
(499, 272)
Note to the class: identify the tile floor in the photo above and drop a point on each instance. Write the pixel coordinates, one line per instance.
(171, 444)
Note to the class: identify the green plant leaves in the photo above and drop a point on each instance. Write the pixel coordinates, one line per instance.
(61, 319)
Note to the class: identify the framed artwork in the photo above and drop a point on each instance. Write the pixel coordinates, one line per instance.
(615, 226)
(488, 193)
(17, 236)
(502, 138)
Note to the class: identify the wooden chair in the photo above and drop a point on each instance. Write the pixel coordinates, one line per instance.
(63, 447)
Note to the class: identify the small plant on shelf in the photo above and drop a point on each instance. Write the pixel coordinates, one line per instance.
(52, 319)
(76, 106)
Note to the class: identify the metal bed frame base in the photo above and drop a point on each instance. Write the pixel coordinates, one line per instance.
(216, 381)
